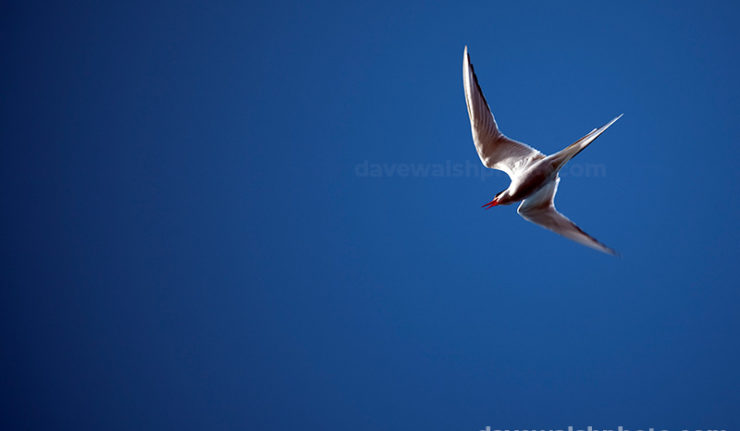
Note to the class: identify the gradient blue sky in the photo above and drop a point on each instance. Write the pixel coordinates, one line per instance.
(189, 241)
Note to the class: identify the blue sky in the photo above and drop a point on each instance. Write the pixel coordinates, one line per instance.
(190, 240)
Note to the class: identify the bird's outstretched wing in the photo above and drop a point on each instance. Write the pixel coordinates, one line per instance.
(540, 209)
(495, 150)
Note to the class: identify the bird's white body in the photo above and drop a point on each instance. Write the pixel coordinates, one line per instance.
(534, 176)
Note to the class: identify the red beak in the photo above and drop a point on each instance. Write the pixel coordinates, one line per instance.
(490, 205)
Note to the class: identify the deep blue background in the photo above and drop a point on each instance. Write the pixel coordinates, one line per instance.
(187, 244)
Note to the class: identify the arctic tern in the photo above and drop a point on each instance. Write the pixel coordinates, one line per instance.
(534, 176)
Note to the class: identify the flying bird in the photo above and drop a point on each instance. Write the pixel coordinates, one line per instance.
(534, 176)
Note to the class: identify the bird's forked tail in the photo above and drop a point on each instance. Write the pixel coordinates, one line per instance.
(561, 158)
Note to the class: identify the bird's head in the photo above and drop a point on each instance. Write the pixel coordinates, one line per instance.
(496, 200)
